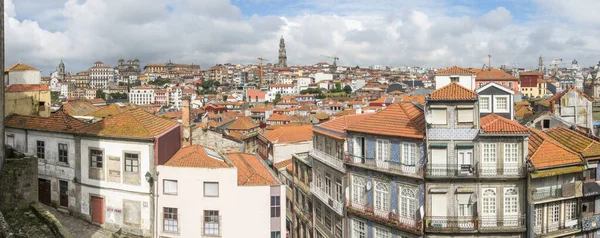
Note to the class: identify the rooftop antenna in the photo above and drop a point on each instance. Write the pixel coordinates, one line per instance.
(489, 62)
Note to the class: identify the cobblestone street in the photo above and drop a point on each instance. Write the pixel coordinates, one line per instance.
(79, 228)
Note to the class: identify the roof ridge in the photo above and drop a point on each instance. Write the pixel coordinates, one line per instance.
(409, 118)
(137, 120)
(62, 115)
(250, 168)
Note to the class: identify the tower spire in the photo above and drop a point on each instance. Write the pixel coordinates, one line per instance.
(282, 54)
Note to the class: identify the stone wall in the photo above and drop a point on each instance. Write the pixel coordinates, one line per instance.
(215, 140)
(18, 181)
(4, 231)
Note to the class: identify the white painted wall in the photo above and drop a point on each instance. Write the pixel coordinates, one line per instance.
(323, 76)
(467, 81)
(24, 77)
(283, 152)
(244, 210)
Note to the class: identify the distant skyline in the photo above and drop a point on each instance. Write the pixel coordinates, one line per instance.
(360, 32)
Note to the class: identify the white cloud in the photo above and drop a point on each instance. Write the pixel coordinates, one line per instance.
(360, 32)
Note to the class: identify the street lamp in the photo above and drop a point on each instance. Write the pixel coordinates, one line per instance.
(149, 178)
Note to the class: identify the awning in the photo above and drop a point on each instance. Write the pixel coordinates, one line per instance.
(591, 188)
(437, 145)
(557, 171)
(464, 146)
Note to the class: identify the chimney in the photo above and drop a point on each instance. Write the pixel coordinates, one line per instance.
(358, 110)
(185, 121)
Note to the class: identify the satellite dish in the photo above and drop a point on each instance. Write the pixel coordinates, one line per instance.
(369, 185)
(186, 133)
(428, 118)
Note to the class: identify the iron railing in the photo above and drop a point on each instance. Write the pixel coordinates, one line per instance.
(546, 193)
(557, 228)
(328, 159)
(502, 223)
(446, 223)
(389, 166)
(336, 206)
(411, 224)
(472, 171)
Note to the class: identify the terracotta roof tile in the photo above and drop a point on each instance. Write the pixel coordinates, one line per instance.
(79, 108)
(251, 171)
(20, 67)
(494, 124)
(57, 122)
(401, 119)
(282, 164)
(110, 110)
(523, 112)
(493, 74)
(289, 133)
(454, 70)
(279, 117)
(242, 123)
(339, 124)
(453, 91)
(545, 152)
(132, 123)
(321, 116)
(195, 156)
(575, 141)
(26, 87)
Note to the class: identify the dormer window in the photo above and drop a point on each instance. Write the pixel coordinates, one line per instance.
(454, 79)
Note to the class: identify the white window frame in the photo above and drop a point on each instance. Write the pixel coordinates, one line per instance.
(489, 154)
(469, 120)
(489, 101)
(165, 191)
(382, 196)
(489, 202)
(359, 228)
(437, 120)
(498, 110)
(384, 150)
(408, 202)
(511, 201)
(359, 190)
(409, 154)
(381, 232)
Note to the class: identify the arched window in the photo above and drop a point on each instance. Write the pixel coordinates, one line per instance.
(511, 201)
(359, 190)
(489, 202)
(382, 199)
(408, 202)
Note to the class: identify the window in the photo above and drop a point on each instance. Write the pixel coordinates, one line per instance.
(546, 124)
(511, 201)
(510, 85)
(408, 202)
(489, 202)
(96, 157)
(465, 115)
(511, 153)
(537, 215)
(328, 183)
(339, 190)
(131, 162)
(358, 149)
(501, 104)
(211, 223)
(358, 229)
(318, 212)
(453, 79)
(381, 232)
(275, 206)
(41, 149)
(328, 220)
(409, 154)
(554, 212)
(570, 210)
(170, 223)
(63, 153)
(42, 106)
(489, 153)
(319, 179)
(211, 189)
(382, 199)
(169, 187)
(275, 234)
(338, 228)
(383, 150)
(359, 190)
(438, 116)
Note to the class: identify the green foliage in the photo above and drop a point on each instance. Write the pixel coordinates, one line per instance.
(118, 95)
(209, 87)
(224, 98)
(348, 89)
(338, 86)
(100, 94)
(277, 98)
(160, 82)
(54, 95)
(312, 91)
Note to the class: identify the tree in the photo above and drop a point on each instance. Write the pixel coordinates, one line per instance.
(348, 89)
(338, 87)
(54, 95)
(224, 98)
(100, 94)
(277, 98)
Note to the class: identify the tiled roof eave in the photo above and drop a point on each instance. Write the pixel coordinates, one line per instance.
(42, 130)
(144, 139)
(452, 99)
(387, 134)
(335, 134)
(505, 134)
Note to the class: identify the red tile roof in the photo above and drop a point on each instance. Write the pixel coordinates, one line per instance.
(195, 156)
(107, 111)
(545, 152)
(279, 117)
(493, 75)
(242, 123)
(575, 141)
(20, 67)
(401, 119)
(339, 124)
(454, 70)
(494, 124)
(282, 164)
(453, 91)
(132, 123)
(79, 108)
(289, 133)
(251, 171)
(57, 122)
(26, 87)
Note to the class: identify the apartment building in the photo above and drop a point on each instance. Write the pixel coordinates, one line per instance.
(329, 171)
(464, 77)
(475, 170)
(200, 192)
(386, 154)
(142, 95)
(175, 96)
(555, 187)
(100, 75)
(302, 214)
(573, 106)
(278, 144)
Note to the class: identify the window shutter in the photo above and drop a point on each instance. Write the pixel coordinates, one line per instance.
(438, 116)
(170, 186)
(465, 115)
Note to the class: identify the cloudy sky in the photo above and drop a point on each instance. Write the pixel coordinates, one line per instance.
(434, 33)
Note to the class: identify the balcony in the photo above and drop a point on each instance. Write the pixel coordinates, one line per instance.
(568, 190)
(451, 224)
(385, 166)
(303, 212)
(328, 159)
(506, 171)
(504, 224)
(469, 171)
(556, 229)
(336, 206)
(388, 218)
